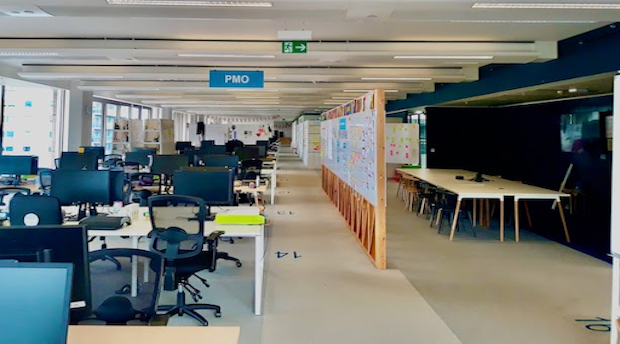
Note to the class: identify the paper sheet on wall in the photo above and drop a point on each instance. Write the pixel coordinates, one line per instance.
(353, 151)
(402, 143)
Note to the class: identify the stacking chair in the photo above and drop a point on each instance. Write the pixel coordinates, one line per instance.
(250, 169)
(446, 207)
(35, 210)
(111, 287)
(178, 237)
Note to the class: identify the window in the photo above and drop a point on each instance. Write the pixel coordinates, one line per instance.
(31, 123)
(111, 114)
(135, 112)
(146, 113)
(96, 138)
(125, 112)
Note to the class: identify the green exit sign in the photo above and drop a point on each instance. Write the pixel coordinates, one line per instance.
(294, 47)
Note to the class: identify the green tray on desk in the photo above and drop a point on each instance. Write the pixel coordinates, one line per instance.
(223, 219)
(410, 166)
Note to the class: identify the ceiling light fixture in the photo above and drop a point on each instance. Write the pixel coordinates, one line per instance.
(239, 56)
(363, 91)
(445, 57)
(333, 103)
(527, 21)
(28, 53)
(192, 3)
(399, 79)
(258, 97)
(554, 6)
(63, 76)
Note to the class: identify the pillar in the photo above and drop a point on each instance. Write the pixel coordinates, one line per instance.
(79, 119)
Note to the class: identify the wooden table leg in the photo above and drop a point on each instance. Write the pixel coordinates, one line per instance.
(474, 211)
(516, 219)
(564, 221)
(456, 219)
(501, 220)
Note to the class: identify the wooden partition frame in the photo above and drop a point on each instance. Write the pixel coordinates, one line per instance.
(367, 222)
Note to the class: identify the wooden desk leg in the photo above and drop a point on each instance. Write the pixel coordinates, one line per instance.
(564, 221)
(474, 220)
(501, 220)
(456, 219)
(516, 220)
(527, 214)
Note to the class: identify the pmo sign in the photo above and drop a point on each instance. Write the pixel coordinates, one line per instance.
(236, 79)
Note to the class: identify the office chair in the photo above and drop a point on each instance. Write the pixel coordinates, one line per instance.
(178, 237)
(250, 169)
(111, 287)
(35, 210)
(446, 206)
(7, 193)
(44, 176)
(112, 160)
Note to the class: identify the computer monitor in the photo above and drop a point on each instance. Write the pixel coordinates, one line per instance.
(248, 152)
(208, 160)
(214, 150)
(17, 166)
(214, 186)
(119, 189)
(98, 151)
(182, 145)
(82, 188)
(141, 157)
(56, 244)
(207, 143)
(167, 164)
(262, 150)
(35, 301)
(263, 143)
(75, 161)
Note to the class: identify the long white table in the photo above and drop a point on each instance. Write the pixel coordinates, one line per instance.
(141, 228)
(272, 174)
(495, 188)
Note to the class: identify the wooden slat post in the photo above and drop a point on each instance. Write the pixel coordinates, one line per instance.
(380, 240)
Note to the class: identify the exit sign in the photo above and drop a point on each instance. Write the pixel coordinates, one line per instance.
(294, 47)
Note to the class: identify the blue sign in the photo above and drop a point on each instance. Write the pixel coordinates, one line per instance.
(236, 79)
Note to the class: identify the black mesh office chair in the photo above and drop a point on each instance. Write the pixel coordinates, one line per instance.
(250, 169)
(111, 287)
(35, 210)
(178, 237)
(7, 193)
(45, 180)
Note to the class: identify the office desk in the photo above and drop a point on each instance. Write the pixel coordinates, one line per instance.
(152, 335)
(141, 228)
(272, 174)
(496, 188)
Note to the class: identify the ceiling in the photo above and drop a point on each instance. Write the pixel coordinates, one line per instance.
(591, 86)
(134, 52)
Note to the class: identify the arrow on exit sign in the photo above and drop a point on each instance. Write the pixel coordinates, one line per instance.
(294, 47)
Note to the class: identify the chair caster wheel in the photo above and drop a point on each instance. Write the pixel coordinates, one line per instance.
(239, 264)
(218, 314)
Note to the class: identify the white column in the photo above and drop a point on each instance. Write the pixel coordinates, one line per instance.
(166, 113)
(79, 119)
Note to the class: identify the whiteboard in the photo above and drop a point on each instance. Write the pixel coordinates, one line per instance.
(402, 143)
(349, 150)
(216, 132)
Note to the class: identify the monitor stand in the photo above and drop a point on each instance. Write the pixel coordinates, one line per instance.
(209, 216)
(15, 180)
(92, 210)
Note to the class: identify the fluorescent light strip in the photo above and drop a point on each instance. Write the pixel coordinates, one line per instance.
(240, 56)
(191, 3)
(27, 53)
(58, 76)
(258, 97)
(344, 98)
(553, 6)
(244, 103)
(366, 91)
(145, 96)
(334, 103)
(400, 79)
(528, 21)
(445, 57)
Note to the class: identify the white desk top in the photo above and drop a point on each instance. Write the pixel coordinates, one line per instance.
(141, 227)
(152, 335)
(495, 188)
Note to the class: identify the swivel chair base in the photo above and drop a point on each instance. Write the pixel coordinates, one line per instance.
(225, 256)
(181, 308)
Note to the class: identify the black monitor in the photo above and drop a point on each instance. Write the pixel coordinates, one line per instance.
(262, 151)
(35, 301)
(214, 186)
(75, 161)
(18, 166)
(118, 187)
(207, 143)
(182, 145)
(248, 153)
(263, 143)
(141, 157)
(83, 188)
(57, 244)
(98, 151)
(214, 150)
(167, 164)
(231, 161)
(232, 145)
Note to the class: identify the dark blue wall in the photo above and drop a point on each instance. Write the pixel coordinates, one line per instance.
(592, 53)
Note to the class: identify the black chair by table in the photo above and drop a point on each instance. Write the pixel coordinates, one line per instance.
(111, 288)
(178, 237)
(35, 210)
(446, 207)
